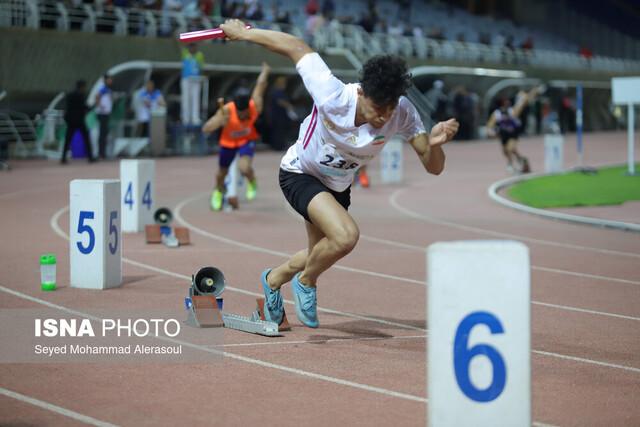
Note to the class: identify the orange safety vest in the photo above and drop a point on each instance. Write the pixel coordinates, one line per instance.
(236, 132)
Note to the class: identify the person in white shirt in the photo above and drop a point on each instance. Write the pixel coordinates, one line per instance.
(104, 105)
(148, 99)
(348, 126)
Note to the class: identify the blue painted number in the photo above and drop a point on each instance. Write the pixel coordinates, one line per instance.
(395, 160)
(462, 357)
(84, 228)
(113, 230)
(146, 197)
(128, 197)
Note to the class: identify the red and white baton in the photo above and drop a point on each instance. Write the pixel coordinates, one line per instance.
(212, 33)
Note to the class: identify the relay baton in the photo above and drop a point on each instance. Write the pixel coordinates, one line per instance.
(212, 33)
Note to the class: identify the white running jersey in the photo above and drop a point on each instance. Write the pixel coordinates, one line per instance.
(330, 146)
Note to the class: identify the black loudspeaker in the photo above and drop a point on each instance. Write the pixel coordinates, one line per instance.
(208, 281)
(163, 216)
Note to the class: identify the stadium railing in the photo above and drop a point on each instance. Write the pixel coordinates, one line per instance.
(154, 23)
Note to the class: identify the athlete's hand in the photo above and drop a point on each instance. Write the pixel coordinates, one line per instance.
(233, 29)
(443, 132)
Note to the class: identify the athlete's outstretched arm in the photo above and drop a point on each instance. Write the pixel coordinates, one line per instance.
(218, 120)
(276, 41)
(429, 147)
(261, 84)
(524, 100)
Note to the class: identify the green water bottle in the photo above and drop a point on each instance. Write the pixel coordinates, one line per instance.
(48, 272)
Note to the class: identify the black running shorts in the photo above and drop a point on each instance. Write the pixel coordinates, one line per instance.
(300, 188)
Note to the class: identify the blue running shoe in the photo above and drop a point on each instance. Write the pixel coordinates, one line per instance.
(273, 305)
(306, 302)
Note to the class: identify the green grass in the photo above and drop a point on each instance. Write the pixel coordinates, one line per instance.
(610, 186)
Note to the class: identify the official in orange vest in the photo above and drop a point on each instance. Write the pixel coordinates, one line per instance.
(237, 119)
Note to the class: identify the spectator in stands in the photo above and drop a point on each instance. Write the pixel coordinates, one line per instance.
(436, 34)
(527, 45)
(74, 116)
(509, 43)
(566, 112)
(328, 9)
(312, 7)
(191, 84)
(256, 14)
(313, 24)
(104, 105)
(251, 8)
(368, 21)
(396, 29)
(404, 10)
(381, 27)
(281, 16)
(229, 8)
(585, 52)
(206, 7)
(148, 99)
(168, 6)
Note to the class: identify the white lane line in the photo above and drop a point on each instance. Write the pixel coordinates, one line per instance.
(394, 203)
(55, 408)
(533, 267)
(234, 356)
(152, 268)
(585, 275)
(178, 216)
(248, 246)
(539, 424)
(584, 310)
(319, 341)
(61, 233)
(589, 361)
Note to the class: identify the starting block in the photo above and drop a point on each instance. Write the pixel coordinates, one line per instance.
(204, 307)
(203, 312)
(162, 232)
(283, 326)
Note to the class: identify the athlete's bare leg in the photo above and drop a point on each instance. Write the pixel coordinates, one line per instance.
(340, 236)
(332, 236)
(220, 176)
(244, 165)
(507, 154)
(285, 272)
(512, 146)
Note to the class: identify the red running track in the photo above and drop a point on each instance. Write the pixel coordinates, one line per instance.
(366, 363)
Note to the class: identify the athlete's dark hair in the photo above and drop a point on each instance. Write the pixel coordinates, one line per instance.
(241, 98)
(384, 78)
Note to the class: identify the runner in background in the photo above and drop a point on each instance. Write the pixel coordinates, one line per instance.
(237, 120)
(505, 123)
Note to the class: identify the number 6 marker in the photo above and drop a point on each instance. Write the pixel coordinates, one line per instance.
(478, 349)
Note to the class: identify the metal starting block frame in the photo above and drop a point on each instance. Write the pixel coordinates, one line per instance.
(206, 312)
